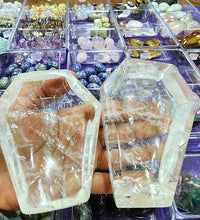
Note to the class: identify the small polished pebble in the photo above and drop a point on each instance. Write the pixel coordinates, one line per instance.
(81, 74)
(76, 67)
(26, 65)
(3, 42)
(52, 64)
(152, 42)
(4, 82)
(40, 67)
(53, 68)
(11, 79)
(103, 76)
(81, 57)
(84, 82)
(16, 71)
(99, 67)
(31, 69)
(40, 70)
(93, 86)
(95, 79)
(10, 69)
(90, 71)
(134, 42)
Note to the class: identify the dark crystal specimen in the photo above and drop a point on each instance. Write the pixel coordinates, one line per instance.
(142, 212)
(112, 208)
(187, 196)
(82, 211)
(98, 204)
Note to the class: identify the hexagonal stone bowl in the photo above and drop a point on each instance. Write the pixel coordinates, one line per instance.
(148, 112)
(48, 134)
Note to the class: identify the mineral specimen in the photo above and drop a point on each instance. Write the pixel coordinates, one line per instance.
(187, 196)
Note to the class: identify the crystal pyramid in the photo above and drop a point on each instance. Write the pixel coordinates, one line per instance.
(148, 112)
(48, 133)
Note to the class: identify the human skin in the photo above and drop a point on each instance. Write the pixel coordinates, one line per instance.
(32, 131)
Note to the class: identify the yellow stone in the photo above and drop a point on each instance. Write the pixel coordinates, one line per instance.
(61, 7)
(152, 42)
(134, 53)
(134, 42)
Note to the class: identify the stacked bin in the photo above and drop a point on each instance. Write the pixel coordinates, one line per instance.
(189, 43)
(65, 35)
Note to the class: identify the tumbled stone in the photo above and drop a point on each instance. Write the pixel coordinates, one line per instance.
(187, 196)
(152, 42)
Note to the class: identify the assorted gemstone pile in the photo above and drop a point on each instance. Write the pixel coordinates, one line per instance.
(91, 77)
(89, 12)
(8, 14)
(14, 69)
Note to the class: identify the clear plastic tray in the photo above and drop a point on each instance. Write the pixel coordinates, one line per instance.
(41, 27)
(93, 58)
(183, 23)
(150, 26)
(195, 56)
(6, 32)
(87, 29)
(87, 10)
(17, 62)
(48, 135)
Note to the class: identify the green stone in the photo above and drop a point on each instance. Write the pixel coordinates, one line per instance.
(187, 196)
(3, 42)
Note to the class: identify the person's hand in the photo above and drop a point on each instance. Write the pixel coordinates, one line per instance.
(46, 151)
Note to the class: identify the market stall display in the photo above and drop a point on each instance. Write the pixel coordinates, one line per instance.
(92, 39)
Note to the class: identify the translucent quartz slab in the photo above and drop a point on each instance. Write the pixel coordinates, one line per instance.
(148, 112)
(48, 134)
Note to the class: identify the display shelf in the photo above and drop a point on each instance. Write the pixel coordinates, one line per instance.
(17, 62)
(33, 41)
(93, 57)
(41, 27)
(183, 20)
(84, 34)
(148, 26)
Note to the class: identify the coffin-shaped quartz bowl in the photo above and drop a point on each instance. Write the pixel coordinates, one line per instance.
(48, 134)
(148, 112)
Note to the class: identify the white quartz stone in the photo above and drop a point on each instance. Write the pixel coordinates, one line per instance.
(163, 7)
(155, 4)
(175, 7)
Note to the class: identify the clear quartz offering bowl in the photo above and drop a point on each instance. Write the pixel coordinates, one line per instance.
(48, 134)
(148, 112)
